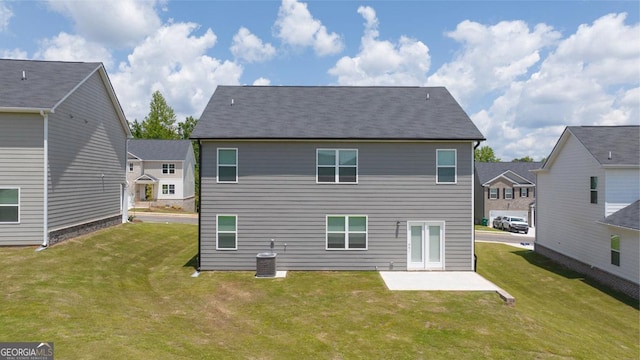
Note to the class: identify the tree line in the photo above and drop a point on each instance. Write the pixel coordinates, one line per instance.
(486, 154)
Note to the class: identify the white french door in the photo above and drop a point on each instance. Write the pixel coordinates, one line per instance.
(425, 245)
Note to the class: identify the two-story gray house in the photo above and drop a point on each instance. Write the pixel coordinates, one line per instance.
(341, 178)
(63, 148)
(161, 173)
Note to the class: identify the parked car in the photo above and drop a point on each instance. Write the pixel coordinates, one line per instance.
(511, 223)
(496, 222)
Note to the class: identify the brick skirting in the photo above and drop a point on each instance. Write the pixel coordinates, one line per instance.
(77, 230)
(613, 281)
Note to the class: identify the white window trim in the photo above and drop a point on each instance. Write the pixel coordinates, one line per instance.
(171, 168)
(226, 232)
(614, 250)
(346, 233)
(12, 205)
(491, 197)
(508, 193)
(130, 167)
(455, 167)
(526, 191)
(218, 166)
(337, 167)
(169, 191)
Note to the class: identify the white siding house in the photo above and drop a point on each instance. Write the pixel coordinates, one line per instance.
(161, 173)
(592, 176)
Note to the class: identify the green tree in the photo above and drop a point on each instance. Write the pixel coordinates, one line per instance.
(524, 159)
(485, 154)
(136, 129)
(186, 127)
(160, 123)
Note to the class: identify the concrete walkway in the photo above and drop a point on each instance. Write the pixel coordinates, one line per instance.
(441, 281)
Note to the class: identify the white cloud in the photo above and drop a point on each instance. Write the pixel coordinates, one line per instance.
(262, 82)
(14, 54)
(119, 23)
(248, 47)
(5, 15)
(492, 57)
(383, 62)
(174, 61)
(296, 26)
(576, 84)
(67, 47)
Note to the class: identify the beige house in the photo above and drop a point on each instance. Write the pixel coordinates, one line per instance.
(160, 173)
(505, 189)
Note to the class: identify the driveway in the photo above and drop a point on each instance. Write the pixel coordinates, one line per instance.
(505, 237)
(152, 217)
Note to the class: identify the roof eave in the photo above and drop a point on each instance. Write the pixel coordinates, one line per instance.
(331, 139)
(618, 226)
(26, 110)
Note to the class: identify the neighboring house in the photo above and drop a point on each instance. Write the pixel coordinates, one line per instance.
(342, 178)
(505, 189)
(63, 149)
(588, 204)
(161, 173)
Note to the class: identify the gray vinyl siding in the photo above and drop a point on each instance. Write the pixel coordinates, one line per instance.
(277, 197)
(86, 141)
(22, 166)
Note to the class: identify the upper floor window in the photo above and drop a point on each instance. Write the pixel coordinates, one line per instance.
(346, 232)
(594, 189)
(168, 189)
(227, 165)
(508, 193)
(524, 192)
(337, 166)
(446, 166)
(493, 193)
(615, 250)
(168, 168)
(130, 167)
(9, 205)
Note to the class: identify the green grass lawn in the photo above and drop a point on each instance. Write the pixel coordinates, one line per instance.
(485, 228)
(127, 293)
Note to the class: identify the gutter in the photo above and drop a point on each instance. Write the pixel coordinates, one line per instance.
(45, 189)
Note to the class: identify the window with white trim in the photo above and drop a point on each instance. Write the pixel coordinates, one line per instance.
(493, 193)
(168, 168)
(9, 205)
(226, 232)
(347, 232)
(524, 192)
(615, 250)
(446, 166)
(227, 165)
(168, 189)
(594, 189)
(337, 165)
(130, 167)
(508, 193)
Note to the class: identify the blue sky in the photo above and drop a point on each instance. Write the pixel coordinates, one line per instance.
(522, 70)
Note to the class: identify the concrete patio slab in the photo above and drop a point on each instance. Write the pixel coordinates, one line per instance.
(437, 280)
(442, 281)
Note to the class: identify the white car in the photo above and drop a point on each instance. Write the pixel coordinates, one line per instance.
(515, 224)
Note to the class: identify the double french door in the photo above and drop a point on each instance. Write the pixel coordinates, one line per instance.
(425, 245)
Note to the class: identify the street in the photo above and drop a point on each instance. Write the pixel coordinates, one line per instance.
(506, 237)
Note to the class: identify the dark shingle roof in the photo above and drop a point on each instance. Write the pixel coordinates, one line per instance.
(334, 112)
(159, 149)
(622, 141)
(490, 170)
(47, 82)
(628, 217)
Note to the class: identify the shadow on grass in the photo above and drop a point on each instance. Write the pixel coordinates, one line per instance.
(193, 262)
(544, 262)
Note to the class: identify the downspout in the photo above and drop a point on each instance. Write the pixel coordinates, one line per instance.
(199, 202)
(45, 188)
(473, 205)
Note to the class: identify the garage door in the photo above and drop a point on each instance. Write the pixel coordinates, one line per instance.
(495, 213)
